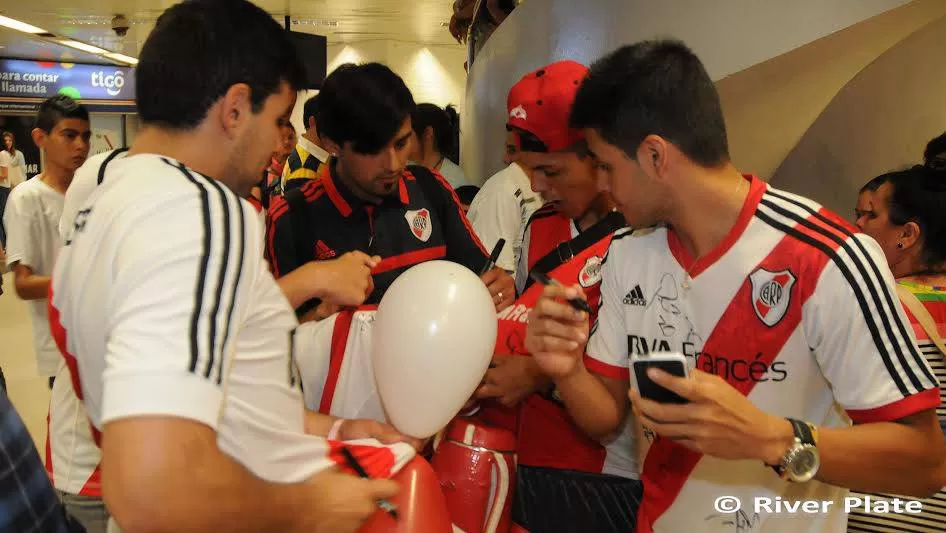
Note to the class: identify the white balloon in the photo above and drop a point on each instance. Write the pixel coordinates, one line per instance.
(434, 334)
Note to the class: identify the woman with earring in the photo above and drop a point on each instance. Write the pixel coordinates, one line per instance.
(436, 134)
(904, 212)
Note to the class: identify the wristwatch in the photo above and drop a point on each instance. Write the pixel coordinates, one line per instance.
(801, 462)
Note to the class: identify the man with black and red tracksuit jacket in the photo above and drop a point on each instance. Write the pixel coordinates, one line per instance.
(566, 481)
(369, 200)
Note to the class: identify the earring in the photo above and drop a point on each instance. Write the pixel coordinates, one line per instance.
(899, 245)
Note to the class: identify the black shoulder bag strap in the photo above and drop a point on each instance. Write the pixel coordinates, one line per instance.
(565, 251)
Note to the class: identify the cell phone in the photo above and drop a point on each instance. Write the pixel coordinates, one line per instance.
(672, 363)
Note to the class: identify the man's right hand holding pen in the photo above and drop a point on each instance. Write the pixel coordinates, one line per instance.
(556, 336)
(558, 329)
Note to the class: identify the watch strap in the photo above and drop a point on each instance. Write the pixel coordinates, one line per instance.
(803, 432)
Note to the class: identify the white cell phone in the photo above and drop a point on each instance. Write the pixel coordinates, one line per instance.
(672, 363)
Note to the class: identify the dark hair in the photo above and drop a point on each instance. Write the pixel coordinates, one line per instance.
(454, 153)
(466, 193)
(918, 195)
(12, 137)
(444, 123)
(875, 183)
(364, 105)
(198, 49)
(310, 110)
(56, 108)
(934, 149)
(529, 142)
(654, 87)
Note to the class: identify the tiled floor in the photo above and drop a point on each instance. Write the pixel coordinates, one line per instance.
(28, 391)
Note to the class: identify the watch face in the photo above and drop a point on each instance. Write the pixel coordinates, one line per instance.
(804, 464)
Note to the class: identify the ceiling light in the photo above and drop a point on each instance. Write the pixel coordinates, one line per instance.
(14, 24)
(122, 57)
(84, 47)
(316, 22)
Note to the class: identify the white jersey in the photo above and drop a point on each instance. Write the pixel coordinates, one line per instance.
(501, 210)
(161, 286)
(795, 312)
(334, 358)
(73, 460)
(31, 219)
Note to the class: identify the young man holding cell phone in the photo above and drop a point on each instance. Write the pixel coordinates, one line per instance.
(789, 319)
(566, 481)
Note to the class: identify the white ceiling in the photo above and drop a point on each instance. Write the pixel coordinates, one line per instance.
(342, 21)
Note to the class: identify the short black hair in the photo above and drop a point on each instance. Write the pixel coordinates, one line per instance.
(654, 87)
(918, 195)
(446, 131)
(934, 149)
(56, 108)
(310, 110)
(364, 105)
(198, 49)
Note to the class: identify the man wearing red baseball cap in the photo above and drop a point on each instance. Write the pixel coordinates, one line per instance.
(566, 481)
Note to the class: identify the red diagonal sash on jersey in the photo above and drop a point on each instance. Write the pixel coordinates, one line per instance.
(668, 464)
(337, 355)
(510, 339)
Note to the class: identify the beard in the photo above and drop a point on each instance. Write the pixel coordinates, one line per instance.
(244, 168)
(385, 186)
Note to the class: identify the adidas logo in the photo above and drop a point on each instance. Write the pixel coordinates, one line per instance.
(635, 297)
(323, 252)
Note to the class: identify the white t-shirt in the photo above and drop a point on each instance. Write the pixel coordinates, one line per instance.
(501, 210)
(792, 309)
(161, 286)
(452, 173)
(16, 168)
(31, 219)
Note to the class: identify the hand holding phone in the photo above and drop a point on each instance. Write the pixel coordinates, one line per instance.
(674, 364)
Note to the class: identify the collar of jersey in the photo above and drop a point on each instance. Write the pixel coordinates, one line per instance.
(314, 150)
(693, 267)
(346, 202)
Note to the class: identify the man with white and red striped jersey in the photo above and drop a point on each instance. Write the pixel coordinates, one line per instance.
(801, 353)
(176, 338)
(577, 483)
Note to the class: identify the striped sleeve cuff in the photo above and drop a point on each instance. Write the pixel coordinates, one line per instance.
(923, 401)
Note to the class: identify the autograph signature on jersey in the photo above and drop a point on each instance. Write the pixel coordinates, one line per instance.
(740, 521)
(669, 313)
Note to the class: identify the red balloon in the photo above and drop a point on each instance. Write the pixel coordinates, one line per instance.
(420, 504)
